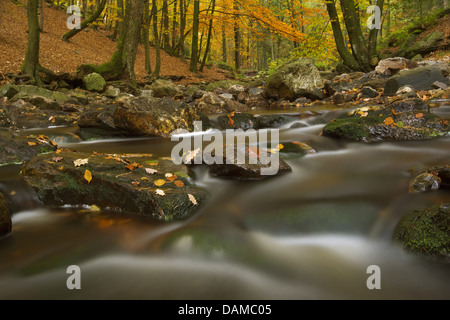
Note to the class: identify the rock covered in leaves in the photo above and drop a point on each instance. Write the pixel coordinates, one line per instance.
(5, 218)
(298, 78)
(401, 121)
(251, 168)
(426, 232)
(143, 116)
(17, 149)
(135, 184)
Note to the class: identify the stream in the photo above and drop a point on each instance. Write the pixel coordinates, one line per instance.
(309, 234)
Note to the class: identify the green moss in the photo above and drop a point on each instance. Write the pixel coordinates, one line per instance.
(354, 129)
(426, 232)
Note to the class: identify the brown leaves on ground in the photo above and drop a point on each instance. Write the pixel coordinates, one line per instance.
(86, 47)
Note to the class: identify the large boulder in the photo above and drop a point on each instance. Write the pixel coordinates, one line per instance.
(427, 44)
(401, 121)
(210, 103)
(29, 92)
(94, 82)
(298, 78)
(142, 116)
(9, 90)
(418, 78)
(5, 218)
(426, 232)
(133, 184)
(392, 66)
(98, 123)
(165, 88)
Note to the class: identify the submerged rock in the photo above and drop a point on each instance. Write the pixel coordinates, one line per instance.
(426, 232)
(135, 184)
(431, 180)
(5, 218)
(400, 121)
(242, 120)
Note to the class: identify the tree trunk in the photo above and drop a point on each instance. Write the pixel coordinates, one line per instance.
(41, 16)
(208, 41)
(156, 37)
(182, 29)
(237, 40)
(31, 62)
(224, 44)
(165, 29)
(121, 64)
(148, 66)
(69, 34)
(195, 25)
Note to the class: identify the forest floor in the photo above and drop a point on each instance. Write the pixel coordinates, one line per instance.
(86, 47)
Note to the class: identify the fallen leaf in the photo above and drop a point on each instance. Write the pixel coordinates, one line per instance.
(31, 143)
(135, 183)
(159, 182)
(168, 175)
(80, 162)
(419, 115)
(132, 166)
(191, 155)
(393, 112)
(280, 146)
(150, 171)
(94, 208)
(388, 121)
(179, 183)
(160, 192)
(57, 159)
(171, 178)
(88, 176)
(192, 199)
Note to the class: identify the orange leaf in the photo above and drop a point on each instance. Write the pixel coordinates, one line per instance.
(31, 143)
(419, 115)
(393, 112)
(172, 177)
(179, 183)
(253, 152)
(132, 166)
(388, 121)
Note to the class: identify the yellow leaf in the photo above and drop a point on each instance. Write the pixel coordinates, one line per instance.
(88, 176)
(31, 143)
(159, 182)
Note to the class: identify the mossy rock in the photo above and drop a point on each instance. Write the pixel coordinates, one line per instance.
(402, 121)
(426, 232)
(132, 184)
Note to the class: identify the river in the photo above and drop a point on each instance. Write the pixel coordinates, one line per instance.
(310, 234)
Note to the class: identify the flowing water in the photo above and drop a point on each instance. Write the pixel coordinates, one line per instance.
(310, 234)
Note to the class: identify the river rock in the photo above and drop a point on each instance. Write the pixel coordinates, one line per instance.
(426, 232)
(135, 184)
(94, 82)
(141, 116)
(29, 92)
(400, 121)
(419, 78)
(431, 179)
(242, 120)
(165, 88)
(211, 103)
(17, 149)
(295, 79)
(392, 66)
(9, 90)
(427, 44)
(251, 168)
(98, 123)
(5, 218)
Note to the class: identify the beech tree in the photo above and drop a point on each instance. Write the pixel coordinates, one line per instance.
(363, 54)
